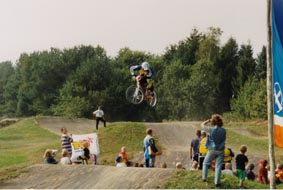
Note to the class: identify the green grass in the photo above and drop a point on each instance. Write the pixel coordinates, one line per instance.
(119, 134)
(192, 179)
(23, 144)
(185, 179)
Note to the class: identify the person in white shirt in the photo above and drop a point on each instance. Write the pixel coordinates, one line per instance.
(99, 115)
(228, 169)
(119, 162)
(65, 160)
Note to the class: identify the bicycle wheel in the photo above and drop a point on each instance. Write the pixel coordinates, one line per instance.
(134, 94)
(152, 100)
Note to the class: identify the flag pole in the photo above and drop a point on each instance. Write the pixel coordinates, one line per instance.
(269, 85)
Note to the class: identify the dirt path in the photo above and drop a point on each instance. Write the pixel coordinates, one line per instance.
(174, 138)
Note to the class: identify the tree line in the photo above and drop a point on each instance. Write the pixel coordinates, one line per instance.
(193, 78)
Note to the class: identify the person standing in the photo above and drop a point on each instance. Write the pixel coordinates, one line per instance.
(66, 141)
(202, 149)
(241, 162)
(215, 143)
(150, 150)
(99, 115)
(194, 148)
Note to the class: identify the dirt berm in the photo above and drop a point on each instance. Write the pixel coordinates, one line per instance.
(174, 137)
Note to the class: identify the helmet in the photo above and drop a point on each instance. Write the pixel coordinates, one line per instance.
(145, 65)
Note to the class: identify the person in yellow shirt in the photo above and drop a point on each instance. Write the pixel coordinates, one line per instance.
(228, 156)
(202, 149)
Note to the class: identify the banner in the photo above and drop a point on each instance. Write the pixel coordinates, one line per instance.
(277, 58)
(91, 138)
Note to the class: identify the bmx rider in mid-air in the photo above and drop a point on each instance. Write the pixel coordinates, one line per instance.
(144, 76)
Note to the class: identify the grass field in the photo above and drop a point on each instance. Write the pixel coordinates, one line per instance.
(24, 143)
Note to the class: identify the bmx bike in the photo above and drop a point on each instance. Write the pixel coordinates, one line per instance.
(138, 93)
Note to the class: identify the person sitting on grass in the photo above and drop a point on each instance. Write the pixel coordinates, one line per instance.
(124, 156)
(49, 157)
(263, 172)
(228, 169)
(250, 173)
(119, 162)
(279, 174)
(65, 160)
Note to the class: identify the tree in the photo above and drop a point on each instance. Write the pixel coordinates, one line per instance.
(245, 67)
(6, 71)
(261, 64)
(174, 93)
(227, 66)
(205, 77)
(185, 50)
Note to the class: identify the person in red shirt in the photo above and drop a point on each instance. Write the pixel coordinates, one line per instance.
(263, 172)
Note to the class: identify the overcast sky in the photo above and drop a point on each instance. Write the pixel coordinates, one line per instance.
(146, 25)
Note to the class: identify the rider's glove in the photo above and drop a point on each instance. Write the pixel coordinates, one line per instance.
(134, 78)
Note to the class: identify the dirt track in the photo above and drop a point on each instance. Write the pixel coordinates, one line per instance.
(174, 137)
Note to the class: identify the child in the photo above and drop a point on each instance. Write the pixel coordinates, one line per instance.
(86, 155)
(119, 162)
(124, 156)
(279, 174)
(228, 169)
(241, 161)
(49, 157)
(179, 165)
(263, 172)
(194, 165)
(250, 173)
(65, 160)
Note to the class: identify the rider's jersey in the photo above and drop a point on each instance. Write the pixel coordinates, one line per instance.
(141, 71)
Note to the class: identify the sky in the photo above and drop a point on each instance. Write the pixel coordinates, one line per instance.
(142, 25)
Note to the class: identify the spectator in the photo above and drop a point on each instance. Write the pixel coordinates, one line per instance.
(250, 173)
(194, 165)
(119, 162)
(241, 161)
(228, 156)
(194, 148)
(228, 169)
(99, 115)
(86, 155)
(49, 157)
(279, 174)
(124, 156)
(65, 160)
(202, 149)
(215, 143)
(150, 150)
(179, 165)
(66, 141)
(263, 172)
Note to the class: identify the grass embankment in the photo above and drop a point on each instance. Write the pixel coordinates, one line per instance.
(257, 143)
(24, 143)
